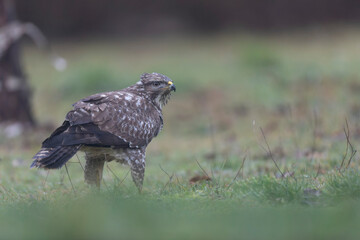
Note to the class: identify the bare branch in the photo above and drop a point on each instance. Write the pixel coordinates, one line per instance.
(125, 177)
(353, 151)
(70, 179)
(168, 182)
(164, 171)
(202, 168)
(80, 162)
(12, 32)
(346, 129)
(349, 145)
(238, 172)
(351, 157)
(47, 175)
(107, 166)
(269, 152)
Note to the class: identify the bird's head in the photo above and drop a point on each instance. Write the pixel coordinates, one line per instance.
(158, 87)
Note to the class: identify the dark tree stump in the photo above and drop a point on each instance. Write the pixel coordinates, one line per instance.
(14, 89)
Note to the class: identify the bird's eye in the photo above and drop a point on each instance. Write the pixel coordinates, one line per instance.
(156, 84)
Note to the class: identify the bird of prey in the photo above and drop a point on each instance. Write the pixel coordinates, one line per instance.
(110, 126)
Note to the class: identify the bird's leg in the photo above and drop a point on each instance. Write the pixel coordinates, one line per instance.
(94, 169)
(137, 173)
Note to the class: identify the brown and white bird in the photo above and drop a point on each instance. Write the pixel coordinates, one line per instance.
(110, 126)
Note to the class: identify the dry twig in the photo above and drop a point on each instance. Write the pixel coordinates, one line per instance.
(168, 182)
(348, 145)
(238, 172)
(80, 162)
(72, 186)
(202, 169)
(47, 175)
(107, 166)
(268, 151)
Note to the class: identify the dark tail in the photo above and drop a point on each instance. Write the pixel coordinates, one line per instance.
(56, 157)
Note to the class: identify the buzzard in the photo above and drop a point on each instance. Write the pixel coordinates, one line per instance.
(110, 126)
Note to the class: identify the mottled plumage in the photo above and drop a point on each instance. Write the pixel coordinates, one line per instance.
(110, 126)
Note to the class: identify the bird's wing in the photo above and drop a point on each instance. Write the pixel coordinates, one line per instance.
(129, 117)
(83, 134)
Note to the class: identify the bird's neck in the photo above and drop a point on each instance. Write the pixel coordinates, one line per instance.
(158, 100)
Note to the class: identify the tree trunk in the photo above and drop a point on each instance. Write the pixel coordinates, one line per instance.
(14, 89)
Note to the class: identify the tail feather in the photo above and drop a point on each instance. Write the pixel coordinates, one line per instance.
(50, 158)
(53, 156)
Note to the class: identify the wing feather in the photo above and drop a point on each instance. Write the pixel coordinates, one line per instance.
(128, 116)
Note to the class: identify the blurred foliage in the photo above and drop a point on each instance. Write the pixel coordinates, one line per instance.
(88, 79)
(258, 56)
(344, 187)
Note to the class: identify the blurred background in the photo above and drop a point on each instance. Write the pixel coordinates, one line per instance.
(287, 70)
(249, 45)
(291, 68)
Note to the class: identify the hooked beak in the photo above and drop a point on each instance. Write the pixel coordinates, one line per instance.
(172, 86)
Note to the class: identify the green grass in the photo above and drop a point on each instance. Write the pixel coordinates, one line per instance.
(298, 88)
(256, 208)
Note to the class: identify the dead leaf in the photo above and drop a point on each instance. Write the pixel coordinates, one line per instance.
(199, 178)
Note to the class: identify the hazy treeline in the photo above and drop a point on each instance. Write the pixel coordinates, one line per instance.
(68, 17)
